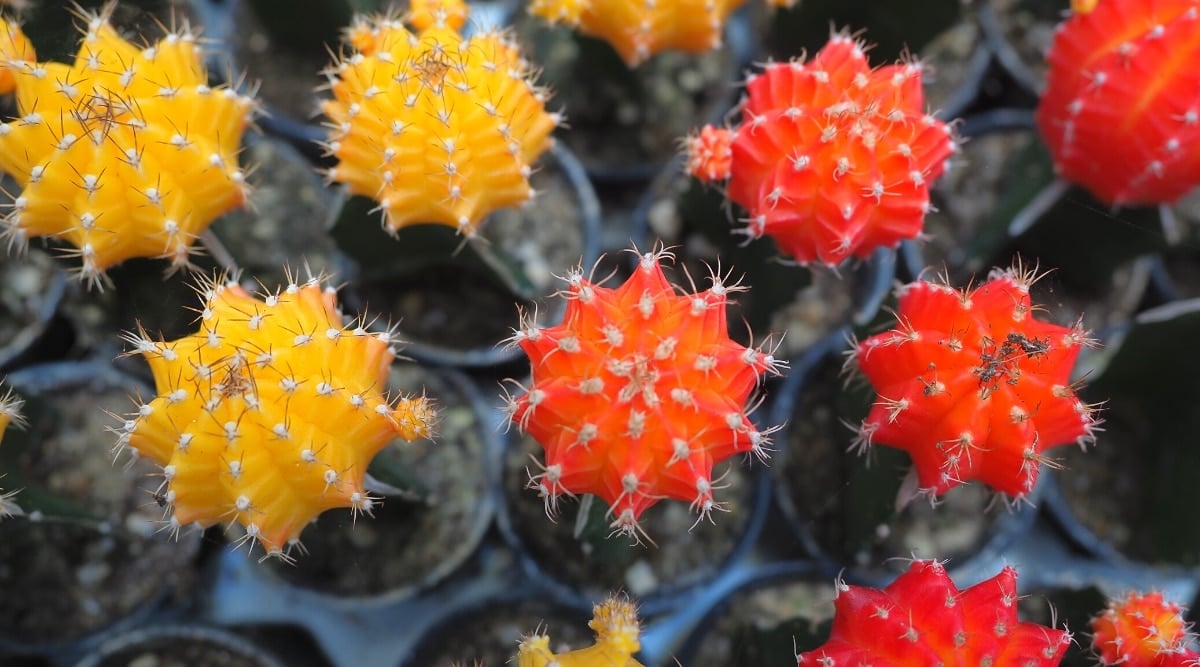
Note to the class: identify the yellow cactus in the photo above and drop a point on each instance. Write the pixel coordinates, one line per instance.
(127, 152)
(638, 29)
(10, 413)
(15, 51)
(617, 630)
(436, 128)
(270, 413)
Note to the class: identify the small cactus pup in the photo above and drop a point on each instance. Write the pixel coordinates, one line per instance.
(270, 413)
(1120, 112)
(973, 386)
(10, 415)
(922, 618)
(637, 29)
(1143, 630)
(638, 393)
(832, 158)
(437, 128)
(126, 152)
(617, 629)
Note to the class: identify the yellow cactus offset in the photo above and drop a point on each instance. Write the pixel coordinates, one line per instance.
(435, 127)
(127, 152)
(638, 29)
(615, 623)
(270, 413)
(10, 414)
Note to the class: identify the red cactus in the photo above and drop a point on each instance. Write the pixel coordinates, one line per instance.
(1121, 110)
(638, 393)
(973, 386)
(922, 619)
(834, 159)
(1143, 630)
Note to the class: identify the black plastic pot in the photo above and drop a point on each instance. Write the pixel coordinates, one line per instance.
(194, 645)
(90, 556)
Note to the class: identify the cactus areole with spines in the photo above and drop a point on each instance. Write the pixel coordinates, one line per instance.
(127, 152)
(832, 158)
(1143, 630)
(435, 127)
(972, 385)
(270, 413)
(638, 393)
(617, 629)
(923, 620)
(1121, 111)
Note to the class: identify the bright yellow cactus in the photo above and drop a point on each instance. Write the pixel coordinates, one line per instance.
(617, 630)
(15, 51)
(435, 127)
(270, 413)
(127, 152)
(638, 29)
(10, 413)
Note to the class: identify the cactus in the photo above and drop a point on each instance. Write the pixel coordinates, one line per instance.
(269, 414)
(10, 414)
(615, 623)
(1120, 112)
(972, 385)
(832, 158)
(637, 29)
(638, 393)
(127, 152)
(435, 127)
(922, 618)
(1143, 630)
(15, 51)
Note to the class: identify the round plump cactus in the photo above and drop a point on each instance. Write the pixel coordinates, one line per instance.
(436, 127)
(832, 158)
(126, 152)
(638, 393)
(922, 618)
(617, 629)
(1143, 630)
(972, 385)
(1120, 112)
(270, 413)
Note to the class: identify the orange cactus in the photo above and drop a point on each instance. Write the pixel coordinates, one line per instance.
(638, 29)
(1143, 630)
(638, 393)
(973, 386)
(435, 127)
(922, 619)
(1120, 112)
(710, 153)
(617, 629)
(270, 413)
(127, 152)
(832, 159)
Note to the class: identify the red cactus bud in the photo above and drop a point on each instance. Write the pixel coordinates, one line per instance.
(1143, 630)
(709, 153)
(973, 386)
(1121, 113)
(638, 393)
(834, 159)
(923, 619)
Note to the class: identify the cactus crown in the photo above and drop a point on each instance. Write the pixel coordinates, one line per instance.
(435, 127)
(127, 152)
(972, 385)
(617, 629)
(269, 414)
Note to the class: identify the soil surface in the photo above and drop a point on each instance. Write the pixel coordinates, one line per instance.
(180, 652)
(409, 541)
(684, 552)
(1028, 27)
(758, 619)
(491, 635)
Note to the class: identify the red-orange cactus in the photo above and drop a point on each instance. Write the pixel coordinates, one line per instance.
(1121, 113)
(1143, 630)
(638, 393)
(922, 619)
(972, 385)
(832, 158)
